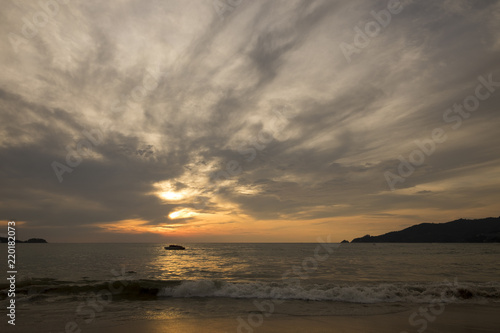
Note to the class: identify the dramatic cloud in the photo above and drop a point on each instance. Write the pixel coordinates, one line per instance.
(247, 121)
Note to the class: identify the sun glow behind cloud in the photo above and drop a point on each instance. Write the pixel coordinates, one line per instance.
(167, 191)
(135, 226)
(172, 196)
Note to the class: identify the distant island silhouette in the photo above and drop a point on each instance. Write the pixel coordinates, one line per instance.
(31, 240)
(485, 230)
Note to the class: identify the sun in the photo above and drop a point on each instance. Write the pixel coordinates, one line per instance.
(172, 196)
(168, 191)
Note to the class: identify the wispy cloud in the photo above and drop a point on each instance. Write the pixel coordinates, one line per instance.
(217, 83)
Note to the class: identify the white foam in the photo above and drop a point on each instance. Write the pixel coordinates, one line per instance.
(356, 293)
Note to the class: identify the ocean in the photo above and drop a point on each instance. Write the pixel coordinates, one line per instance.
(84, 284)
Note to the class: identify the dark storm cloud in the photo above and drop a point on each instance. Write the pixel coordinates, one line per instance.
(96, 191)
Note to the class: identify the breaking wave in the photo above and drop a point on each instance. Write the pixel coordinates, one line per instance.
(356, 293)
(43, 289)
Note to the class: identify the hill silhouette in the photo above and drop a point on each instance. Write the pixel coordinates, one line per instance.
(485, 230)
(31, 240)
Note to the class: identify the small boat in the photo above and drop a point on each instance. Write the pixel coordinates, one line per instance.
(174, 247)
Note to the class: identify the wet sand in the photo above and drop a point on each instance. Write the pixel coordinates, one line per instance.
(455, 318)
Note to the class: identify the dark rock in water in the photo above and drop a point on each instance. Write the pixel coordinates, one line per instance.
(36, 240)
(131, 272)
(465, 294)
(344, 241)
(174, 247)
(485, 230)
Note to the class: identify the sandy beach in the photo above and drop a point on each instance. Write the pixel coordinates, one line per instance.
(456, 318)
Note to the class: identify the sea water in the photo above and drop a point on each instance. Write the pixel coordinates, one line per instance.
(210, 280)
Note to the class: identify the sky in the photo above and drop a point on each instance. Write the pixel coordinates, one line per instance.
(246, 120)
